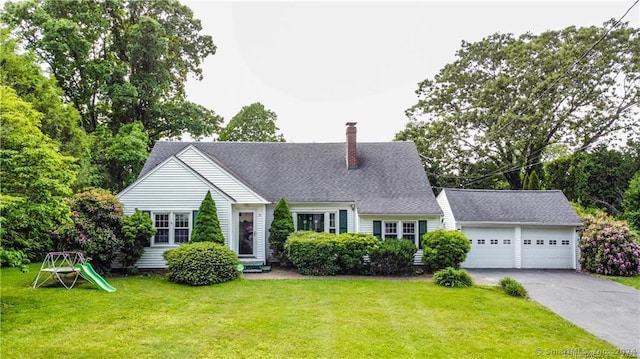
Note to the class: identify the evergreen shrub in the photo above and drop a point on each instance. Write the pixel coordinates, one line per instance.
(201, 263)
(442, 249)
(391, 257)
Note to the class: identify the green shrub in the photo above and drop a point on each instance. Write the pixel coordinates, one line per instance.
(608, 247)
(451, 277)
(392, 256)
(281, 228)
(14, 258)
(442, 249)
(206, 227)
(137, 230)
(95, 229)
(351, 249)
(201, 263)
(512, 287)
(329, 254)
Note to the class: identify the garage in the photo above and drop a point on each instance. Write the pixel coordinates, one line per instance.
(547, 247)
(513, 229)
(490, 247)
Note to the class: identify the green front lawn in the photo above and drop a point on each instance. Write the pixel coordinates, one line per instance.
(149, 317)
(633, 282)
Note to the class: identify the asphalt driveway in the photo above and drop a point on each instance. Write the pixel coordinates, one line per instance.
(607, 309)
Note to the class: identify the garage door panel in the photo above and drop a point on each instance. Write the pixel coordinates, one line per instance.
(547, 247)
(490, 247)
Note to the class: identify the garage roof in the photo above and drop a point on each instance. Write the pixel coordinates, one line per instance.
(509, 206)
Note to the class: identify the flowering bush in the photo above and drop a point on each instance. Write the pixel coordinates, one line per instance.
(608, 247)
(95, 228)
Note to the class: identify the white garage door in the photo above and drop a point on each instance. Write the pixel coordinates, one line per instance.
(490, 247)
(547, 247)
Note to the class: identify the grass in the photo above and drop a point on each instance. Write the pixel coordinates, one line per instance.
(633, 282)
(148, 317)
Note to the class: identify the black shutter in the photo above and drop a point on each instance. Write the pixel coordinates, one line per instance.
(148, 242)
(422, 229)
(377, 229)
(343, 221)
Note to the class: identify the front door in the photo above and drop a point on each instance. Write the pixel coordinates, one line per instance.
(245, 234)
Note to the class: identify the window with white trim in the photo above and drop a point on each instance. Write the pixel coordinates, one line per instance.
(480, 241)
(553, 242)
(540, 242)
(409, 231)
(390, 230)
(332, 222)
(493, 241)
(172, 228)
(527, 241)
(565, 242)
(506, 241)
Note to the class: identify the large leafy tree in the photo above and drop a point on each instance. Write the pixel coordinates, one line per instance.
(505, 100)
(35, 178)
(254, 123)
(60, 121)
(121, 61)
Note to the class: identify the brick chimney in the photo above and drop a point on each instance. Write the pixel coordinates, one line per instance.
(352, 151)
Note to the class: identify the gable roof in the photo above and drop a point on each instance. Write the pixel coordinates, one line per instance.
(389, 180)
(509, 206)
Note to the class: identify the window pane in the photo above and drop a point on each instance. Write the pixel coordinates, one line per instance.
(182, 220)
(390, 230)
(311, 222)
(409, 230)
(162, 236)
(181, 235)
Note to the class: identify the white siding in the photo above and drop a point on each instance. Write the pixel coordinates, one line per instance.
(218, 176)
(171, 187)
(448, 221)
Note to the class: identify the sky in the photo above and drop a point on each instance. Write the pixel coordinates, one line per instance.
(318, 65)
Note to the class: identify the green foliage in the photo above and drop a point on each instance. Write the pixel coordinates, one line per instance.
(281, 228)
(14, 258)
(532, 182)
(503, 101)
(207, 226)
(451, 277)
(631, 202)
(60, 121)
(442, 249)
(608, 247)
(253, 123)
(34, 176)
(117, 160)
(202, 263)
(96, 228)
(512, 287)
(391, 257)
(137, 230)
(121, 61)
(319, 253)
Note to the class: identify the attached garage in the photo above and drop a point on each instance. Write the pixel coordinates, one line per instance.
(513, 229)
(491, 247)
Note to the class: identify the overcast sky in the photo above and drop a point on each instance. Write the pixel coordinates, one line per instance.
(318, 65)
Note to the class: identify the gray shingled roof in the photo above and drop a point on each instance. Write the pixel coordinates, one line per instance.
(389, 180)
(506, 206)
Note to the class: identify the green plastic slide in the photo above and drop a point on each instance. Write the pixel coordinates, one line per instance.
(89, 274)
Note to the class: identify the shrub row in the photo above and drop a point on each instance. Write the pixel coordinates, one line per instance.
(329, 254)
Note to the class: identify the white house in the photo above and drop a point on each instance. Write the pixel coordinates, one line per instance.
(377, 188)
(513, 229)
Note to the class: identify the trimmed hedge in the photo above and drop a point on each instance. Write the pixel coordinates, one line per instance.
(512, 287)
(201, 263)
(451, 277)
(329, 254)
(391, 257)
(442, 249)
